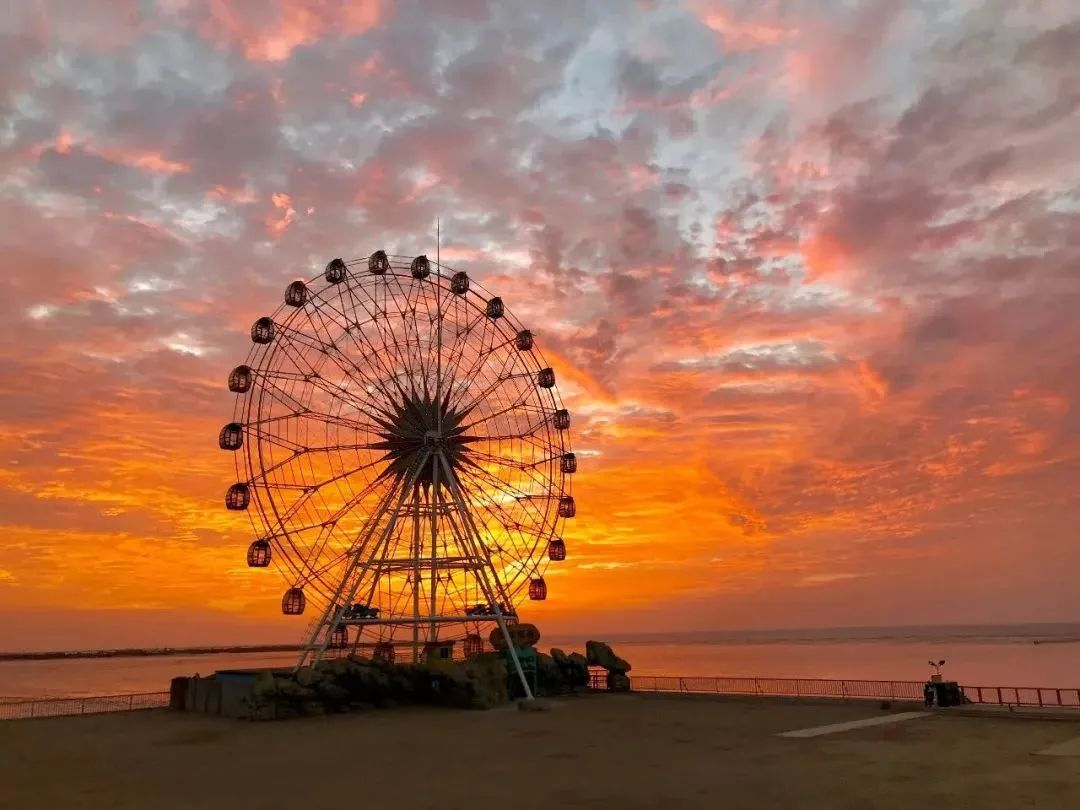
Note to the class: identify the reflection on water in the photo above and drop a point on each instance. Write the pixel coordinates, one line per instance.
(976, 663)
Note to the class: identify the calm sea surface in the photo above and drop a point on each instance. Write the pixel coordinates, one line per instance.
(999, 656)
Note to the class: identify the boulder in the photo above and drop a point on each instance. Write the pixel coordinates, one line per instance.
(600, 654)
(333, 697)
(263, 702)
(496, 639)
(264, 684)
(578, 670)
(523, 635)
(309, 676)
(618, 682)
(486, 675)
(561, 658)
(550, 678)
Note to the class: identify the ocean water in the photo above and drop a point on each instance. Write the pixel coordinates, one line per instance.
(975, 656)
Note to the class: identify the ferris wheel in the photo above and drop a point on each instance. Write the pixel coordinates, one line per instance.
(403, 454)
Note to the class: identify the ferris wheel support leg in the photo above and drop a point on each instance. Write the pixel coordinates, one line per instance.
(309, 649)
(382, 543)
(318, 653)
(416, 574)
(433, 629)
(489, 592)
(324, 623)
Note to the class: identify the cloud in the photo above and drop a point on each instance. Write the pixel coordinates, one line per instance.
(807, 276)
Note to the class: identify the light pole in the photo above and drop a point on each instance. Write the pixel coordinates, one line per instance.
(936, 677)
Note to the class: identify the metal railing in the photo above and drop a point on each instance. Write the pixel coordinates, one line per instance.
(98, 704)
(781, 687)
(853, 689)
(763, 687)
(1023, 696)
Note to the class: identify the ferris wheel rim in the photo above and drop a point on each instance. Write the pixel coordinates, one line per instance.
(262, 355)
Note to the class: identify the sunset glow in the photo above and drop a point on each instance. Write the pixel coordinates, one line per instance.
(808, 274)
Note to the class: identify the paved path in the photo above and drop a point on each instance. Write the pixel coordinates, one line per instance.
(1069, 748)
(835, 728)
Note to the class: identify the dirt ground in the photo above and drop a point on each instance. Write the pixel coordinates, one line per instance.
(600, 751)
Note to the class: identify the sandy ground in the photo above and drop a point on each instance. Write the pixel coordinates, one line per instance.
(601, 751)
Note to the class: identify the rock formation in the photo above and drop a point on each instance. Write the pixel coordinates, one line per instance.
(357, 683)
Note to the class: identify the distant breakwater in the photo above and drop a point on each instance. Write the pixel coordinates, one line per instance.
(157, 652)
(145, 652)
(1056, 641)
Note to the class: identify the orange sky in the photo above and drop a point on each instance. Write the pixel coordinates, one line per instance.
(809, 280)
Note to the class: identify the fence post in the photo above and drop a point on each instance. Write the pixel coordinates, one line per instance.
(32, 705)
(131, 699)
(82, 706)
(1039, 691)
(1058, 697)
(999, 695)
(682, 686)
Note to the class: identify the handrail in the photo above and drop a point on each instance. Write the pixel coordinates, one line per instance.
(852, 688)
(845, 689)
(90, 704)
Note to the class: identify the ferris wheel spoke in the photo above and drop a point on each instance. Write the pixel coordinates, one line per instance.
(314, 378)
(281, 442)
(477, 456)
(521, 405)
(308, 414)
(521, 499)
(348, 369)
(347, 328)
(543, 483)
(374, 320)
(327, 531)
(505, 372)
(483, 499)
(386, 333)
(287, 398)
(485, 393)
(483, 349)
(507, 488)
(437, 333)
(531, 431)
(473, 538)
(529, 439)
(461, 542)
(510, 356)
(528, 467)
(454, 360)
(409, 314)
(352, 371)
(309, 490)
(328, 523)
